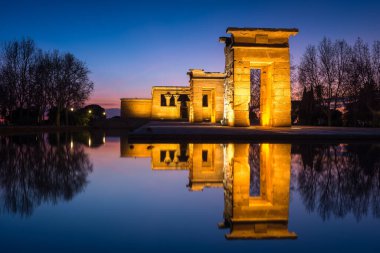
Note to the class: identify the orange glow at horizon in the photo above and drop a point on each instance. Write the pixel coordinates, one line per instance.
(107, 103)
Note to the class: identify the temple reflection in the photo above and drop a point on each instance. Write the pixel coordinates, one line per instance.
(255, 178)
(257, 194)
(204, 161)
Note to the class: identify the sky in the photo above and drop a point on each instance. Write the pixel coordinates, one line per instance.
(130, 46)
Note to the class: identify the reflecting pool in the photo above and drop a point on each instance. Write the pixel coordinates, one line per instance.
(80, 192)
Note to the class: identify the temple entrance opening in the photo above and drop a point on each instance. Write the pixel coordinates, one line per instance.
(254, 103)
(184, 107)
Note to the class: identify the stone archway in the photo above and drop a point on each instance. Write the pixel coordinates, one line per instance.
(266, 49)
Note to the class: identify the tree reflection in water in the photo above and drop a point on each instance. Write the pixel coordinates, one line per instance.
(254, 165)
(339, 179)
(34, 171)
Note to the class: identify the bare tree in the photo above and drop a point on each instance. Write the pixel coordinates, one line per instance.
(43, 78)
(327, 72)
(374, 106)
(336, 72)
(376, 63)
(309, 79)
(295, 85)
(35, 81)
(308, 70)
(343, 54)
(70, 84)
(361, 79)
(78, 84)
(17, 74)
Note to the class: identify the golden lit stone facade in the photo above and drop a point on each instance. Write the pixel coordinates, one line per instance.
(267, 50)
(206, 96)
(225, 97)
(170, 102)
(136, 108)
(167, 103)
(199, 102)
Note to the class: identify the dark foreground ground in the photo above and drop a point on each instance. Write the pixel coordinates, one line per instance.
(109, 125)
(159, 131)
(164, 131)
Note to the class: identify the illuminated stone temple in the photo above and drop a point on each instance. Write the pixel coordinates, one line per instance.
(224, 97)
(255, 179)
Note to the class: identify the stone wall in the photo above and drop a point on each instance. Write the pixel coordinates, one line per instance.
(228, 113)
(167, 112)
(212, 85)
(135, 108)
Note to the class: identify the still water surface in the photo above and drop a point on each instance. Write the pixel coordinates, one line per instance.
(92, 193)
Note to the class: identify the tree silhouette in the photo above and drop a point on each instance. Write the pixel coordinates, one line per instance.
(341, 79)
(33, 81)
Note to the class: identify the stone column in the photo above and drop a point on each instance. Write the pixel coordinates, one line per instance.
(177, 104)
(167, 159)
(176, 96)
(167, 98)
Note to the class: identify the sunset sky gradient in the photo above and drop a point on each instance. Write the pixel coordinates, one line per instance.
(131, 46)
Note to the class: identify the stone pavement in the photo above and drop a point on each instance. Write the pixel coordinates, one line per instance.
(163, 131)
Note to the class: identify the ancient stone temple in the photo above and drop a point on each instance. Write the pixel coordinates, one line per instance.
(225, 97)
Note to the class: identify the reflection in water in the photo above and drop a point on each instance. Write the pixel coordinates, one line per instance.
(36, 169)
(254, 164)
(264, 215)
(204, 161)
(331, 179)
(339, 179)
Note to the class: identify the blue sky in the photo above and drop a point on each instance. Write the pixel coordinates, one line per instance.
(132, 45)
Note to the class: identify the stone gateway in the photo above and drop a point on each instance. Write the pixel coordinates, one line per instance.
(225, 97)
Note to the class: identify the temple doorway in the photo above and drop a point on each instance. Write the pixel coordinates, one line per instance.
(254, 103)
(184, 108)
